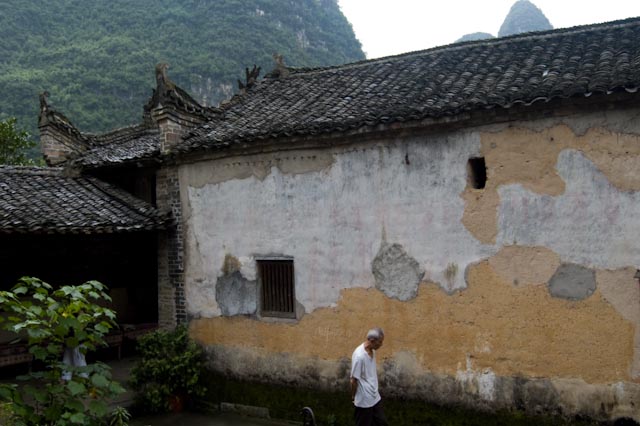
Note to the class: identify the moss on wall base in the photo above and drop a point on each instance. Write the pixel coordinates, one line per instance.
(334, 408)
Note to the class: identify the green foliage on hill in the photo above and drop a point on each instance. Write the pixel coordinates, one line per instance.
(97, 57)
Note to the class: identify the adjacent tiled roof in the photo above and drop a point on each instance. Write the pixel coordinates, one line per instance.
(44, 200)
(123, 145)
(443, 81)
(132, 143)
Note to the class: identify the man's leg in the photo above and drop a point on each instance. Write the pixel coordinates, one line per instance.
(378, 415)
(364, 416)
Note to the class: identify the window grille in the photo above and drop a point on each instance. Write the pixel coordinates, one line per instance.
(277, 284)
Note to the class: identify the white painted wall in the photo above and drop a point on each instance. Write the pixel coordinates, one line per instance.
(333, 221)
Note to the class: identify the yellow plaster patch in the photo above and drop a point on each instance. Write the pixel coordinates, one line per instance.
(231, 264)
(481, 213)
(620, 289)
(527, 157)
(525, 265)
(511, 330)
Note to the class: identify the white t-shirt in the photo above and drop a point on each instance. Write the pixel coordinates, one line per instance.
(363, 369)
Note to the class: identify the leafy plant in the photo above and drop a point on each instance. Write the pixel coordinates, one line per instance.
(120, 417)
(51, 320)
(169, 371)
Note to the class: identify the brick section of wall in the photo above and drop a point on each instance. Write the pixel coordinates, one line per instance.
(171, 300)
(57, 146)
(173, 125)
(166, 293)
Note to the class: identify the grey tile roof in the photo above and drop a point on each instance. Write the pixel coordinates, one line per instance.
(45, 200)
(123, 145)
(132, 143)
(443, 81)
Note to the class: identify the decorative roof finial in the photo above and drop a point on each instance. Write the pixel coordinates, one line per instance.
(251, 78)
(162, 78)
(44, 106)
(281, 69)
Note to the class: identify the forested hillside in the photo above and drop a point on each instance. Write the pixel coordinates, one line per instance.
(97, 57)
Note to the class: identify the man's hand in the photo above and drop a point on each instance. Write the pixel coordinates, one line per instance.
(354, 388)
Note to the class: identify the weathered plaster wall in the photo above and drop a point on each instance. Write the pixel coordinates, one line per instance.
(490, 346)
(332, 214)
(514, 331)
(520, 294)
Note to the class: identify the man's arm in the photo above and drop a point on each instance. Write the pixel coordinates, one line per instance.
(354, 388)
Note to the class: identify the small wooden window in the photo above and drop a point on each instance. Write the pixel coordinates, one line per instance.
(477, 172)
(277, 288)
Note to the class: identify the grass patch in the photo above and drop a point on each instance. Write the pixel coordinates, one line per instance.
(6, 411)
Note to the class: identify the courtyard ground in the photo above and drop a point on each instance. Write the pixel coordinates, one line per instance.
(120, 370)
(195, 419)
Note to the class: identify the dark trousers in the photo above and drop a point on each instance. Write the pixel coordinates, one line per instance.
(372, 416)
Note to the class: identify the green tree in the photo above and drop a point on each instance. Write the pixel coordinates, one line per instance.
(14, 144)
(51, 320)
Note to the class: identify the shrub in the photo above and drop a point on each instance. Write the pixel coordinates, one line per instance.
(169, 372)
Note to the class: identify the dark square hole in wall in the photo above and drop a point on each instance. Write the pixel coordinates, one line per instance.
(477, 172)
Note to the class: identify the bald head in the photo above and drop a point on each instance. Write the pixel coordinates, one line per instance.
(375, 334)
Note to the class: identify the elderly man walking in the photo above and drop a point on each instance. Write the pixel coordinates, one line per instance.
(364, 381)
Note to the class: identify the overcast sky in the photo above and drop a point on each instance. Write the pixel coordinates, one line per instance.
(389, 27)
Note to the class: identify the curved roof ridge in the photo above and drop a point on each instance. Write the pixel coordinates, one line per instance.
(621, 23)
(132, 128)
(121, 135)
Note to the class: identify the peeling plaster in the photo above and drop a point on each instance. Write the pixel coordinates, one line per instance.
(620, 289)
(572, 282)
(258, 166)
(397, 274)
(525, 265)
(502, 341)
(231, 264)
(520, 155)
(526, 331)
(236, 295)
(482, 383)
(331, 219)
(561, 193)
(618, 121)
(338, 212)
(592, 223)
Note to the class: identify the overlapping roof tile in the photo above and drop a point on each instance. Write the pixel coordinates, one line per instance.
(123, 145)
(45, 200)
(443, 81)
